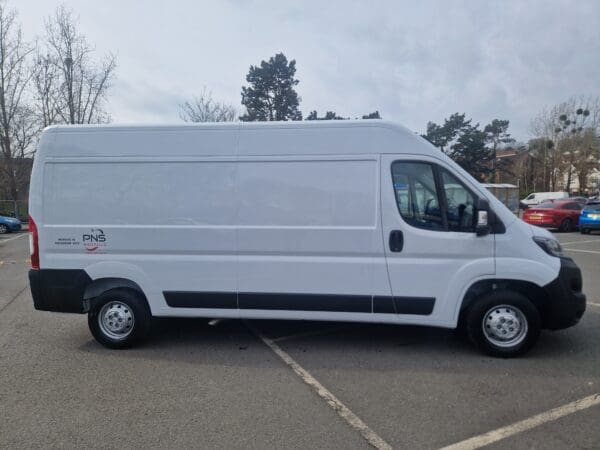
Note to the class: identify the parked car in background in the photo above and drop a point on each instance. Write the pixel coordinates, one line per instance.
(590, 217)
(582, 200)
(535, 198)
(563, 215)
(8, 224)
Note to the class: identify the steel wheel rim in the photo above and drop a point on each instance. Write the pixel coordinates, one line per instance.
(505, 326)
(3, 229)
(116, 320)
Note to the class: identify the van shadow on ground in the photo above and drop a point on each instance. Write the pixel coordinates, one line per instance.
(232, 343)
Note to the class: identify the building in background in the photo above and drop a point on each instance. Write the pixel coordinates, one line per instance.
(593, 183)
(511, 165)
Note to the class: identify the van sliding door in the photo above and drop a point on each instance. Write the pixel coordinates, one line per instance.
(309, 235)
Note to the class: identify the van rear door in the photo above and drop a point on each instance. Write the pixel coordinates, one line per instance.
(432, 251)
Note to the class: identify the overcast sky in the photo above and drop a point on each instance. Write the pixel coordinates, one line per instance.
(414, 61)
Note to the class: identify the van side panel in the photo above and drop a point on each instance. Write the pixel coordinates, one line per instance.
(309, 235)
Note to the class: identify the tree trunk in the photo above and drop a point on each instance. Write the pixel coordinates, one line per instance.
(11, 178)
(582, 178)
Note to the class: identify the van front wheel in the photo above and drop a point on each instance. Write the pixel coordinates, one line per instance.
(119, 318)
(503, 323)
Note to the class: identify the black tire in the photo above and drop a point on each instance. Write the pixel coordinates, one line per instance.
(566, 226)
(3, 229)
(585, 231)
(126, 306)
(482, 314)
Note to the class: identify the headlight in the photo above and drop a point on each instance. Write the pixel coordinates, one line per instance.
(550, 246)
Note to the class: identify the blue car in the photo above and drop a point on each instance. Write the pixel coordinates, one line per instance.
(590, 217)
(8, 224)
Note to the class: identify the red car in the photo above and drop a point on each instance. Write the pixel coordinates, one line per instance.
(563, 215)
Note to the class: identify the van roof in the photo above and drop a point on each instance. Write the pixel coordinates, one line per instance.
(351, 123)
(320, 137)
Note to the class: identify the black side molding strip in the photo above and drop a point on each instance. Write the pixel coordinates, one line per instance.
(220, 300)
(384, 305)
(301, 302)
(422, 306)
(306, 302)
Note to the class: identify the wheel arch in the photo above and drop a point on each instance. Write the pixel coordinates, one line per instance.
(101, 285)
(535, 293)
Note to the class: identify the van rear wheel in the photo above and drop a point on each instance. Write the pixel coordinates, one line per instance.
(503, 323)
(119, 318)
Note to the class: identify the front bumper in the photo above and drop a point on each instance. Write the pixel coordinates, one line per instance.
(566, 299)
(59, 290)
(590, 224)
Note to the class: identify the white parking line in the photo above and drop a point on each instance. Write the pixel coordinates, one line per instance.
(581, 251)
(527, 424)
(580, 242)
(13, 299)
(342, 410)
(13, 238)
(594, 304)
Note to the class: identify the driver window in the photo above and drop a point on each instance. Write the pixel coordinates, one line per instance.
(416, 195)
(461, 204)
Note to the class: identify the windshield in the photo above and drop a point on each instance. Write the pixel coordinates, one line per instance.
(594, 207)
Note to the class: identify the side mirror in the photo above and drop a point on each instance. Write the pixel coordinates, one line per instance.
(483, 226)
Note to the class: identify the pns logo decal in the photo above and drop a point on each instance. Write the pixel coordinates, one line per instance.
(95, 241)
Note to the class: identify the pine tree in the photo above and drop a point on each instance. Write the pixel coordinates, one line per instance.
(271, 94)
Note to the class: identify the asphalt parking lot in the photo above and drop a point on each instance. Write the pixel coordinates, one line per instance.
(290, 384)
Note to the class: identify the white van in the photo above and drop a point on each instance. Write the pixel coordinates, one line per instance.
(535, 198)
(346, 221)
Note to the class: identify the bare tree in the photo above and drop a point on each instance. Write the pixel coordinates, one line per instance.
(71, 87)
(587, 156)
(18, 127)
(45, 88)
(571, 131)
(203, 108)
(543, 127)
